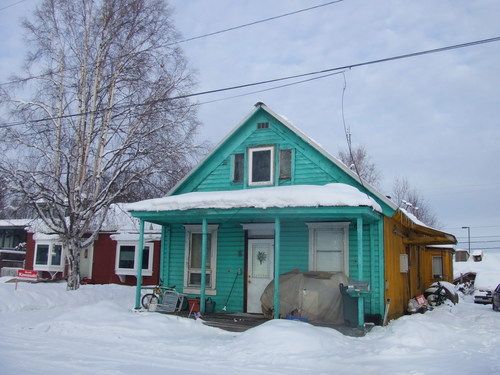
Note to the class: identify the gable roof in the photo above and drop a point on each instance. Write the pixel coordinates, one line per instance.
(262, 107)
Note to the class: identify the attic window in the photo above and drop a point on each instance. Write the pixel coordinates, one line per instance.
(261, 166)
(263, 125)
(285, 166)
(238, 167)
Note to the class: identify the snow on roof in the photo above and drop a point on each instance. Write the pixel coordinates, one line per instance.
(117, 220)
(335, 194)
(15, 222)
(413, 218)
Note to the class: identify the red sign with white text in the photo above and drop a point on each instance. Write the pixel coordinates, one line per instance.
(27, 274)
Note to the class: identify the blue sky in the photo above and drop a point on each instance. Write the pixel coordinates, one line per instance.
(433, 119)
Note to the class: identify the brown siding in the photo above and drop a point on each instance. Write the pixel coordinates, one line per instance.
(401, 287)
(396, 283)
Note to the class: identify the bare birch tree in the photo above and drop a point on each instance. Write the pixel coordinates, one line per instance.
(409, 198)
(358, 160)
(103, 114)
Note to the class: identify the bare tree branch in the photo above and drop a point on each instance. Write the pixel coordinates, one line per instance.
(103, 59)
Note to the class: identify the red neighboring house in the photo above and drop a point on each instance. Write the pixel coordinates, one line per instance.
(112, 258)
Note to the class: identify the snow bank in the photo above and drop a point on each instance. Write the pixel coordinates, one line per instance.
(46, 329)
(267, 197)
(487, 270)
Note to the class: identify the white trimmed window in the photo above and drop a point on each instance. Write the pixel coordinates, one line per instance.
(127, 258)
(49, 256)
(261, 166)
(193, 271)
(329, 246)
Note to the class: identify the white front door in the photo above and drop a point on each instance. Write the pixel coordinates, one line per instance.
(86, 258)
(260, 271)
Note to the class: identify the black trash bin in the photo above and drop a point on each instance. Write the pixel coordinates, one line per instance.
(350, 307)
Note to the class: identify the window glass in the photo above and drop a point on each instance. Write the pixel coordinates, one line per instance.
(238, 167)
(437, 267)
(285, 164)
(261, 166)
(42, 254)
(56, 255)
(328, 247)
(145, 258)
(127, 254)
(193, 270)
(195, 279)
(195, 259)
(329, 250)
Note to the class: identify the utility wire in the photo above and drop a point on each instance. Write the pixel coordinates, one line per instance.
(318, 72)
(11, 5)
(187, 39)
(253, 23)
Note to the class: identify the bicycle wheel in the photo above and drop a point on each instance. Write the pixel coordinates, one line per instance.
(148, 299)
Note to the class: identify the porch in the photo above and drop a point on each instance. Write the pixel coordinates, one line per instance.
(241, 322)
(221, 238)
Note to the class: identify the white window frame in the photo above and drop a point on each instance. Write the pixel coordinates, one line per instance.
(328, 226)
(271, 166)
(133, 271)
(49, 266)
(212, 230)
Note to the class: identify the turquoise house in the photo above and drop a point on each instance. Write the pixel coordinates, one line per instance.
(266, 201)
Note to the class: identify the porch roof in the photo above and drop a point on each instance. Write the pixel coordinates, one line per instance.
(332, 201)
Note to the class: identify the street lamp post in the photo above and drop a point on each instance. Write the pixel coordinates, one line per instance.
(468, 236)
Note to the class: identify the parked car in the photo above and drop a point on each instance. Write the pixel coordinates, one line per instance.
(483, 296)
(496, 298)
(484, 284)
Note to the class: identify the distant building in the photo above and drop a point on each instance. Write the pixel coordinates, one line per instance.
(477, 255)
(461, 255)
(13, 236)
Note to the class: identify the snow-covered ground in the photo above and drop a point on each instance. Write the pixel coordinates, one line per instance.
(45, 329)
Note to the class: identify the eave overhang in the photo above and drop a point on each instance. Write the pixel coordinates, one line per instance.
(247, 214)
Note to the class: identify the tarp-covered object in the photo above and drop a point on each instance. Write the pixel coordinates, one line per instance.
(312, 295)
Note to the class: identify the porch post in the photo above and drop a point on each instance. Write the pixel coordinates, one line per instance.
(381, 262)
(361, 310)
(277, 240)
(204, 235)
(373, 264)
(139, 265)
(165, 255)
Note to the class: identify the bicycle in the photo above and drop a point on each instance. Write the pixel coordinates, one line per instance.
(165, 299)
(436, 294)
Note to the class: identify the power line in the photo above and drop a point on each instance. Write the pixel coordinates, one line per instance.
(185, 40)
(324, 71)
(254, 23)
(11, 5)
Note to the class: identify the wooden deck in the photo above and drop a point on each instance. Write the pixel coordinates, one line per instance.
(240, 322)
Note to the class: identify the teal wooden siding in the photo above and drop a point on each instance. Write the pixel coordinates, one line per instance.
(231, 255)
(230, 258)
(309, 167)
(294, 246)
